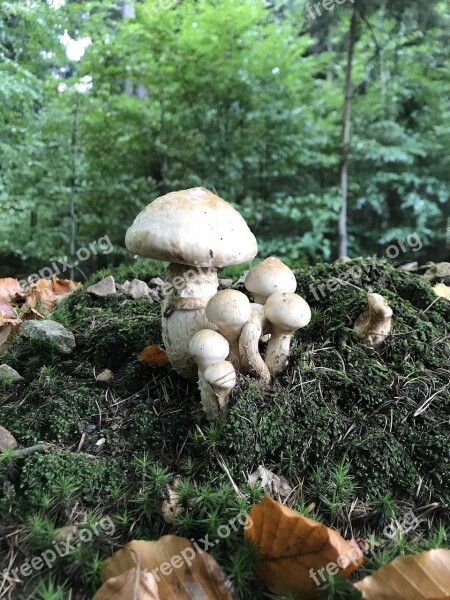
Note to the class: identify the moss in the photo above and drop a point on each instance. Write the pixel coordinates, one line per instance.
(89, 479)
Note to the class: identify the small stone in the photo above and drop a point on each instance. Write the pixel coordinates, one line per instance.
(157, 281)
(226, 282)
(138, 289)
(100, 442)
(103, 288)
(410, 267)
(10, 374)
(50, 331)
(7, 440)
(106, 376)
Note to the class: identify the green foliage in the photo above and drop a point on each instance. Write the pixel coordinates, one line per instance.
(238, 96)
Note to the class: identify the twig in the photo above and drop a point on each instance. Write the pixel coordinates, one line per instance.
(24, 452)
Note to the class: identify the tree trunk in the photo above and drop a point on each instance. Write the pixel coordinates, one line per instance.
(346, 124)
(73, 184)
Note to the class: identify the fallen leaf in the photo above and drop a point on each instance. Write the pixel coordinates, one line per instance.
(6, 311)
(420, 577)
(62, 287)
(295, 551)
(41, 297)
(442, 290)
(153, 356)
(171, 507)
(131, 585)
(181, 572)
(272, 484)
(9, 288)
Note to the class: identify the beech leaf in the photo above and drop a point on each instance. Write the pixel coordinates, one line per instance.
(424, 576)
(131, 585)
(293, 548)
(182, 573)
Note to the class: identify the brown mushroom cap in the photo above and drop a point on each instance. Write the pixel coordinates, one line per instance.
(192, 227)
(269, 277)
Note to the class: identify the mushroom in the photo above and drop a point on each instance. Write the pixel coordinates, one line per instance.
(374, 324)
(286, 313)
(249, 356)
(190, 228)
(229, 310)
(208, 347)
(269, 277)
(222, 378)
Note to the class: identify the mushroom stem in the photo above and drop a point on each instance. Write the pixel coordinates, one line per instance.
(188, 290)
(208, 397)
(222, 378)
(250, 358)
(278, 351)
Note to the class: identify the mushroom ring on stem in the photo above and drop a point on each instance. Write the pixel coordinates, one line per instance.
(286, 313)
(207, 348)
(196, 232)
(229, 310)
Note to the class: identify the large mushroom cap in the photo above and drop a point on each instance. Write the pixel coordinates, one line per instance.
(192, 227)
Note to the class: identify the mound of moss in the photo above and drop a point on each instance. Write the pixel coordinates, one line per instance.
(363, 435)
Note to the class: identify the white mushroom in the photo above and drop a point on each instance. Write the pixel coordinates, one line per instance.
(286, 313)
(249, 357)
(197, 232)
(269, 277)
(208, 347)
(222, 377)
(229, 310)
(374, 324)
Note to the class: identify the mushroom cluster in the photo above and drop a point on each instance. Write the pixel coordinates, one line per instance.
(211, 335)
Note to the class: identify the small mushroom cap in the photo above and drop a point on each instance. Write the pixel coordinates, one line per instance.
(377, 303)
(228, 308)
(192, 227)
(287, 312)
(221, 374)
(269, 277)
(208, 347)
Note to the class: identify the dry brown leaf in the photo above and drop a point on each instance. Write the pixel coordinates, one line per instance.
(62, 287)
(41, 298)
(272, 484)
(293, 548)
(419, 577)
(442, 290)
(7, 312)
(131, 585)
(154, 356)
(9, 288)
(181, 572)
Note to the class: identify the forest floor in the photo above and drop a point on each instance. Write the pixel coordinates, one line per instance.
(362, 436)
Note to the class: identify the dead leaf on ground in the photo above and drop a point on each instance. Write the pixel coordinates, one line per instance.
(442, 290)
(62, 287)
(271, 483)
(292, 547)
(9, 288)
(182, 573)
(154, 356)
(6, 311)
(131, 585)
(420, 577)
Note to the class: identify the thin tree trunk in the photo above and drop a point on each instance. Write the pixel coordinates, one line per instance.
(73, 184)
(346, 125)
